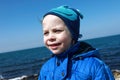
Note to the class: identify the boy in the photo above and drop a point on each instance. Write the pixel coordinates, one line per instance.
(72, 59)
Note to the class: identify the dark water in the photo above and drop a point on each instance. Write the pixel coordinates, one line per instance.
(24, 62)
(28, 62)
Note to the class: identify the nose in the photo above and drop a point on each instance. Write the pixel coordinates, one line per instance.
(51, 37)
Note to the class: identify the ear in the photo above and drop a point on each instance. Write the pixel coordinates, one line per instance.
(73, 42)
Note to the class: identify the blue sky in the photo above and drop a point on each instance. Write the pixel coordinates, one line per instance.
(20, 27)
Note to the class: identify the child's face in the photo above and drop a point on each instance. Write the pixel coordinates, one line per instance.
(57, 37)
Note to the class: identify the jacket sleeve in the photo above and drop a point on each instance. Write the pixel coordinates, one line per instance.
(39, 77)
(42, 73)
(104, 73)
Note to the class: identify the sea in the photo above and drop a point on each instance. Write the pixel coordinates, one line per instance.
(29, 61)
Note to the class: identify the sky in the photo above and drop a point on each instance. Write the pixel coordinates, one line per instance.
(20, 26)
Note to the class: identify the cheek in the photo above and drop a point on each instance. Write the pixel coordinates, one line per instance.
(66, 40)
(44, 40)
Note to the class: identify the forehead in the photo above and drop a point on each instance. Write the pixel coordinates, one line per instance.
(50, 18)
(52, 21)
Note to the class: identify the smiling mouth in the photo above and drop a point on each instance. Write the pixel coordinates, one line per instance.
(54, 46)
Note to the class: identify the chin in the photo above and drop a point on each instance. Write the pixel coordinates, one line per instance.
(56, 52)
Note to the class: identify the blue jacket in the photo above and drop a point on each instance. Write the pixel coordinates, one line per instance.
(80, 62)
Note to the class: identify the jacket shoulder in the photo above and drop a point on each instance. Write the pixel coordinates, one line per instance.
(47, 67)
(94, 68)
(90, 62)
(48, 64)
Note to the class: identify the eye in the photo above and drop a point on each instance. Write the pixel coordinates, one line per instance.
(46, 33)
(58, 31)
